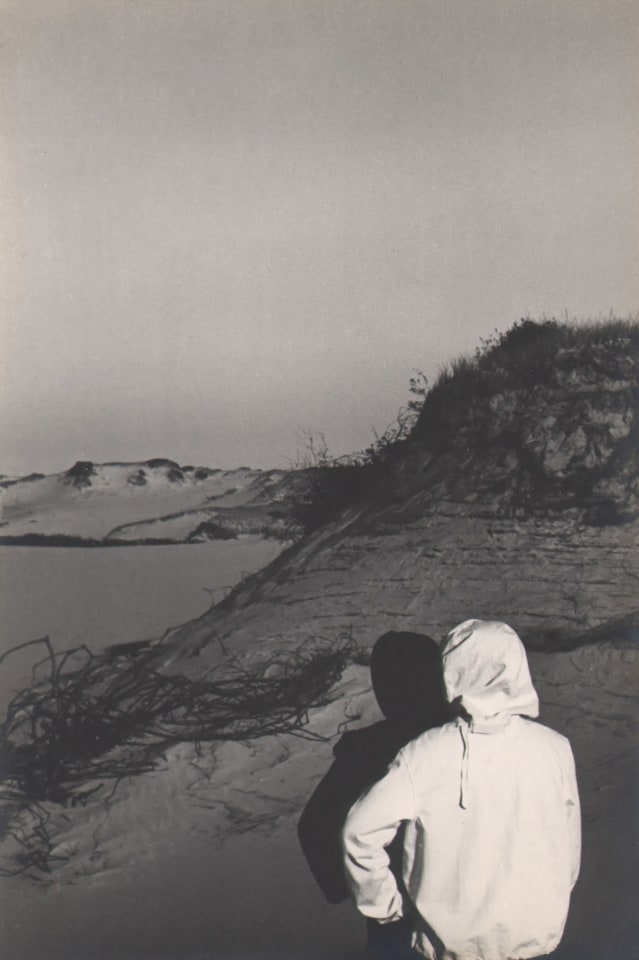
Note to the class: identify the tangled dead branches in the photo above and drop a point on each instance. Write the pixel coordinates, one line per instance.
(103, 717)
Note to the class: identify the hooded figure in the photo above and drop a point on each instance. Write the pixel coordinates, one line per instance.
(490, 811)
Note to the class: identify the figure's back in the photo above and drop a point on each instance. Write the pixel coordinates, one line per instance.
(498, 870)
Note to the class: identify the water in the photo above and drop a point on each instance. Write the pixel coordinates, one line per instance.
(103, 596)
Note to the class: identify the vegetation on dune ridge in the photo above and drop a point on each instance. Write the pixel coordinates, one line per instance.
(79, 475)
(531, 354)
(11, 482)
(541, 417)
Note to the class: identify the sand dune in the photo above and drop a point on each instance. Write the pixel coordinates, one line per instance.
(197, 859)
(156, 499)
(200, 859)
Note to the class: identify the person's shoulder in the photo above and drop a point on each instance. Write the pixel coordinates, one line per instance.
(432, 743)
(431, 758)
(366, 740)
(537, 731)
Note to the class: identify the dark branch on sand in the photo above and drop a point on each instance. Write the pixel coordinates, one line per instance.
(99, 718)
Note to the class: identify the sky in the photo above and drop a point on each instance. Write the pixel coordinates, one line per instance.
(227, 223)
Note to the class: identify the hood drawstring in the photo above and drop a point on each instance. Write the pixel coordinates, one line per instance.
(463, 786)
(466, 731)
(486, 673)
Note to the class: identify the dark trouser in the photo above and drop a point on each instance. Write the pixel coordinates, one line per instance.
(391, 941)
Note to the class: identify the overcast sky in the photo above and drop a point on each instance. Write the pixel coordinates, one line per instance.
(227, 221)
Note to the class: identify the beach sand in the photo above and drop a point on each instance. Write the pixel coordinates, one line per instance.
(200, 859)
(251, 897)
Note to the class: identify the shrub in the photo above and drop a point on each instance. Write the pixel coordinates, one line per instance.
(137, 479)
(460, 401)
(321, 494)
(209, 530)
(526, 354)
(80, 473)
(326, 485)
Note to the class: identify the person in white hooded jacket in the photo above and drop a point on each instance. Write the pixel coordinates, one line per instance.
(490, 803)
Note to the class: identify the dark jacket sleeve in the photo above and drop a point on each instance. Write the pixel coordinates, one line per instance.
(361, 756)
(320, 830)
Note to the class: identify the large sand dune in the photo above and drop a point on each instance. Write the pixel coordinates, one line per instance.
(137, 502)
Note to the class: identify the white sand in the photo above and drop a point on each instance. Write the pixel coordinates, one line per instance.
(178, 866)
(252, 897)
(199, 859)
(53, 505)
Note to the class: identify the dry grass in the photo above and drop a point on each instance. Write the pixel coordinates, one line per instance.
(96, 719)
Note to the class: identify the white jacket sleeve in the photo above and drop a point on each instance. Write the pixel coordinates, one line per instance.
(370, 826)
(573, 813)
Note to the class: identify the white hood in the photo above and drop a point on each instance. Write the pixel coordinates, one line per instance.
(486, 669)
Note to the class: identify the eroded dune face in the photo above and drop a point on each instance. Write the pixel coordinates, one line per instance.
(515, 497)
(426, 569)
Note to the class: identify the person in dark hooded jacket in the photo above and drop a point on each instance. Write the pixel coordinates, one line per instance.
(407, 679)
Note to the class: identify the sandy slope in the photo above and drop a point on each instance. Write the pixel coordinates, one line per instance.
(200, 858)
(407, 567)
(590, 695)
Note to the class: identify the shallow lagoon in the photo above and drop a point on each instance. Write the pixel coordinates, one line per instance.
(102, 596)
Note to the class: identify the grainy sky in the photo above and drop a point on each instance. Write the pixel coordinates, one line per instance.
(228, 221)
